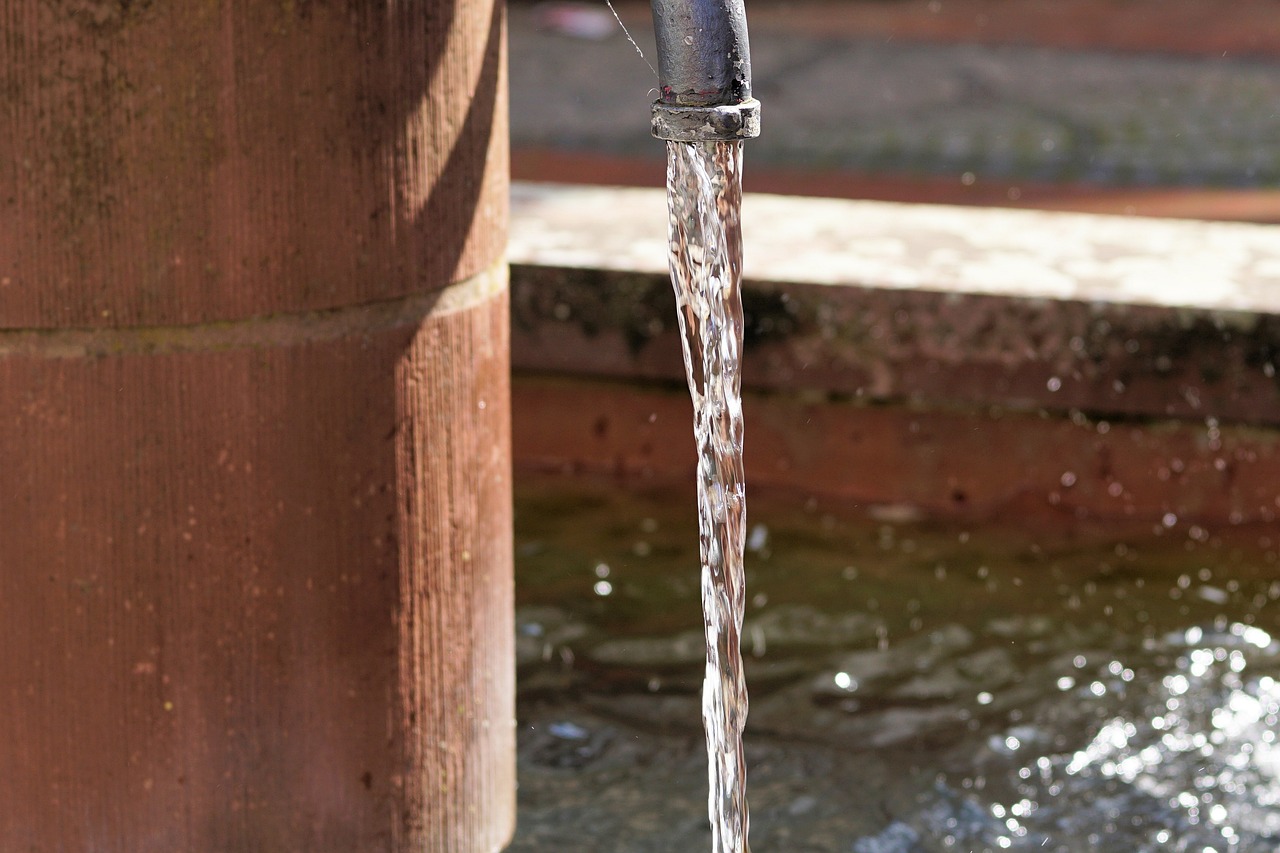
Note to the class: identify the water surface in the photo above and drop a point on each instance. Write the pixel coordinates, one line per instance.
(917, 686)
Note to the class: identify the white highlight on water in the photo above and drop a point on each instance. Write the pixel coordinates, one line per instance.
(704, 198)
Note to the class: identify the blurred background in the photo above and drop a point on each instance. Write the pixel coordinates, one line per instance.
(1146, 107)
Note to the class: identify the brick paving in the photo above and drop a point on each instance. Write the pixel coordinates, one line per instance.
(1075, 104)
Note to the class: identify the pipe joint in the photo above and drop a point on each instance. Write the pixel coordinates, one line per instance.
(704, 71)
(705, 124)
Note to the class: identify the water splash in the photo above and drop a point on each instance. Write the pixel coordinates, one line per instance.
(704, 197)
(1182, 755)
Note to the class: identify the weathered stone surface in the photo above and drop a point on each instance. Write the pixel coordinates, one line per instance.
(258, 596)
(973, 462)
(184, 163)
(932, 305)
(255, 530)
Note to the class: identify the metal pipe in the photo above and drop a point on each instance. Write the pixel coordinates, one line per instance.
(704, 71)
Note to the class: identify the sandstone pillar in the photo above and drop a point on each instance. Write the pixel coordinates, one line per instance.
(255, 522)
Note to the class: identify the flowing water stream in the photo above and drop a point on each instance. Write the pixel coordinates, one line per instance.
(704, 198)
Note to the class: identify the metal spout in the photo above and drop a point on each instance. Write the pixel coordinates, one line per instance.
(704, 71)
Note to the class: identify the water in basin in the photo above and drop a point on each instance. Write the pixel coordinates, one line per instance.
(916, 685)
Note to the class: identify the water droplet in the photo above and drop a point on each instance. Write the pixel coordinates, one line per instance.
(568, 731)
(603, 588)
(1213, 594)
(1054, 383)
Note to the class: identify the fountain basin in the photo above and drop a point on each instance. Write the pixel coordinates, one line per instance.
(955, 361)
(1011, 552)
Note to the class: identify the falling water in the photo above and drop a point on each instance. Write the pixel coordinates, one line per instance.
(704, 197)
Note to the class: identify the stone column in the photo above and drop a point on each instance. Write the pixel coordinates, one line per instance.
(255, 506)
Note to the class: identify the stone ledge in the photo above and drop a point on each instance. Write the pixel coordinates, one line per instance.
(1019, 310)
(903, 459)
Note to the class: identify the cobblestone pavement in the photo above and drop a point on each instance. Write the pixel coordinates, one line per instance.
(971, 111)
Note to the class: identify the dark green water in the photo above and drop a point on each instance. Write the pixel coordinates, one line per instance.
(915, 686)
